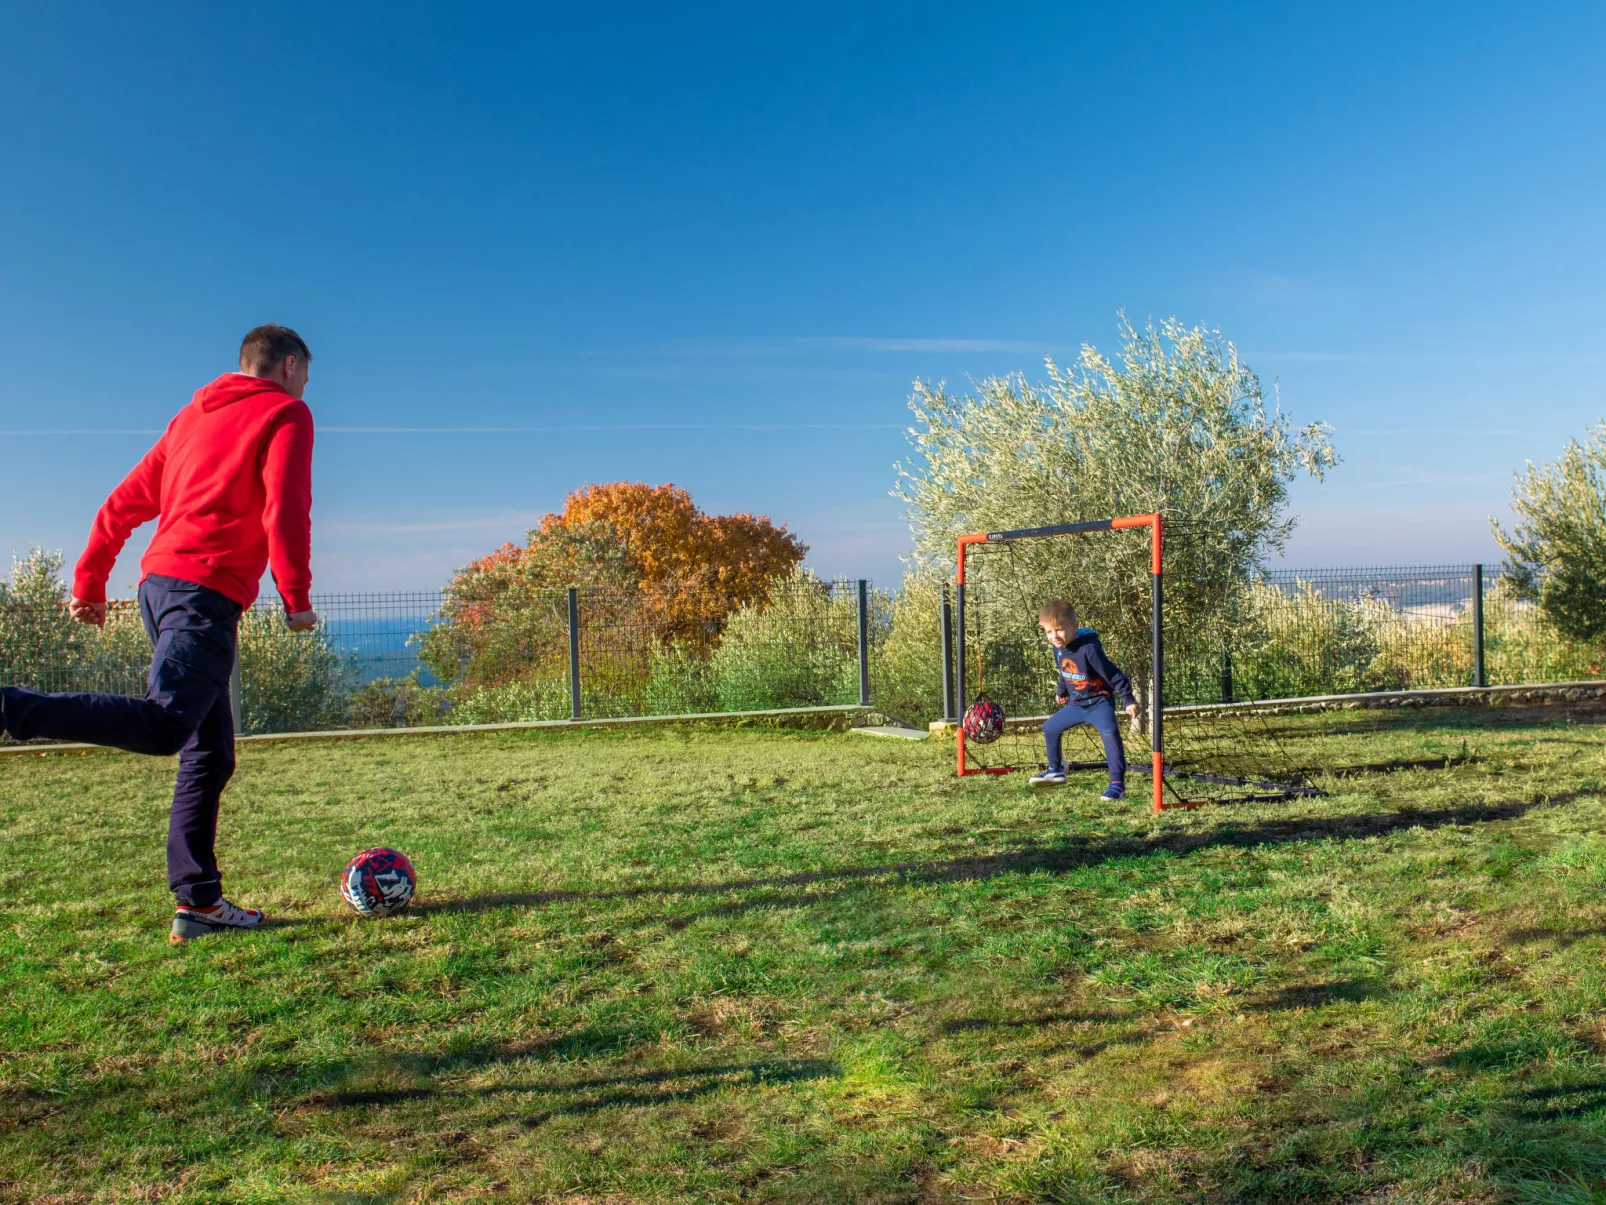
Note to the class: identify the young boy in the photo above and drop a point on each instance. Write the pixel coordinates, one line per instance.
(1088, 684)
(232, 482)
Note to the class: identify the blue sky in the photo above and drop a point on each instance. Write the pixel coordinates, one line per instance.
(533, 246)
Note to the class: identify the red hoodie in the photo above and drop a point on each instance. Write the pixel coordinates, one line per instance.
(232, 480)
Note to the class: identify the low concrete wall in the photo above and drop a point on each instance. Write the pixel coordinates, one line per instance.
(1537, 694)
(847, 711)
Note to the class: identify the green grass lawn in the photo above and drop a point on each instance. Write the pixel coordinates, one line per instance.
(756, 965)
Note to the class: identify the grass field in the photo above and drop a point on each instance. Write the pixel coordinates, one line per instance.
(751, 965)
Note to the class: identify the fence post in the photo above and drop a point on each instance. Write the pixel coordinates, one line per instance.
(948, 712)
(960, 685)
(864, 642)
(1226, 673)
(1479, 677)
(574, 653)
(235, 691)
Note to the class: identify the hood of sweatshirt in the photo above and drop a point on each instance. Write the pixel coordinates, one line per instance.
(234, 387)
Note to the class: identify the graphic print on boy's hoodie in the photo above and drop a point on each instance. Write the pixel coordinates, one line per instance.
(1087, 674)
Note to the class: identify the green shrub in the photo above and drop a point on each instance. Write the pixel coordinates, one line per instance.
(1291, 643)
(290, 681)
(682, 680)
(43, 647)
(906, 656)
(1522, 644)
(513, 703)
(800, 650)
(397, 703)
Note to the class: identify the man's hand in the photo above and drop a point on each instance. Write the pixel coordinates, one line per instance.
(301, 621)
(92, 613)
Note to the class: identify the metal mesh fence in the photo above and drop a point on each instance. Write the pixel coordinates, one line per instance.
(1293, 633)
(430, 657)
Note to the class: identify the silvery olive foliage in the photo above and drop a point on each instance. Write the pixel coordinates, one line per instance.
(1556, 551)
(1174, 423)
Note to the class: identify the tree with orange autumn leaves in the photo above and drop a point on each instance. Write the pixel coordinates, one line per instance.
(647, 560)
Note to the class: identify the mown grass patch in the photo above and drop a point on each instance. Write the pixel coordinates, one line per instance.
(718, 966)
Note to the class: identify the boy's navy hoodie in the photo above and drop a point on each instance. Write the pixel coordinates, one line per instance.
(1086, 674)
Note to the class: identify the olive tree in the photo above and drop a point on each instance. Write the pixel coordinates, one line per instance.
(1173, 423)
(1556, 551)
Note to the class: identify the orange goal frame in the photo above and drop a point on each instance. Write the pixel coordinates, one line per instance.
(1156, 701)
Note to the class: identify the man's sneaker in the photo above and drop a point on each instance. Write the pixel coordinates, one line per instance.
(1114, 791)
(1048, 778)
(190, 921)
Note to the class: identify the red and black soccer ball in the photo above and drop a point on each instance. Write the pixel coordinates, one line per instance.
(983, 722)
(378, 882)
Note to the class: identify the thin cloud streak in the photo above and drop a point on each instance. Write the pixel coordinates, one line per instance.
(335, 528)
(323, 430)
(1459, 480)
(1371, 357)
(794, 344)
(86, 431)
(1429, 431)
(614, 427)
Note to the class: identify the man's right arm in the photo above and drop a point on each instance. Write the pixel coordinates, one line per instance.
(138, 499)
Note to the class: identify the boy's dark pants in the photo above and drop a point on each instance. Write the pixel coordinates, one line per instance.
(1100, 713)
(185, 711)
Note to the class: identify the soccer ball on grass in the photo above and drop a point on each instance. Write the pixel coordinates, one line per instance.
(378, 882)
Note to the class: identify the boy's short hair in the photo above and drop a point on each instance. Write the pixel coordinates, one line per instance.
(1060, 613)
(264, 348)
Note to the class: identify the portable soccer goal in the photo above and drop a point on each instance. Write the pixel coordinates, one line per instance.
(1005, 678)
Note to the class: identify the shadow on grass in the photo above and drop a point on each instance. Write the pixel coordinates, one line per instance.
(1070, 853)
(1435, 719)
(967, 1024)
(1081, 1050)
(576, 1097)
(1562, 937)
(1317, 995)
(1303, 995)
(1562, 1103)
(1388, 767)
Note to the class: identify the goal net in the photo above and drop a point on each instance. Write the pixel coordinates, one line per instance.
(1180, 755)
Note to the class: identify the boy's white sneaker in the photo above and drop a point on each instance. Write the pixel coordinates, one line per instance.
(1048, 778)
(190, 921)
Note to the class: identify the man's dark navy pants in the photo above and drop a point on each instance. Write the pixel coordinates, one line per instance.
(185, 711)
(1100, 713)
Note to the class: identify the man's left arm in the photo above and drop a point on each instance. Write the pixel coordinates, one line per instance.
(287, 517)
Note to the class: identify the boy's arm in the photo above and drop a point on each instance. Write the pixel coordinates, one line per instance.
(1101, 665)
(287, 517)
(1061, 696)
(137, 499)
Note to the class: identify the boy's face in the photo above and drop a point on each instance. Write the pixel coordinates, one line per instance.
(1055, 635)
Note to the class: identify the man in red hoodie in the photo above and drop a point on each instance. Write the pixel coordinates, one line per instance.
(231, 480)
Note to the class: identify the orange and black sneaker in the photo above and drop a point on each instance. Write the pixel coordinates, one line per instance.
(191, 920)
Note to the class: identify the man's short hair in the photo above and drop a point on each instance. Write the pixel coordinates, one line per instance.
(264, 348)
(1059, 613)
